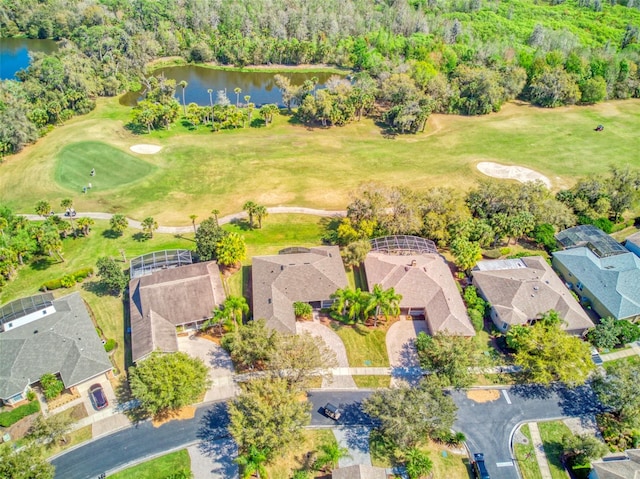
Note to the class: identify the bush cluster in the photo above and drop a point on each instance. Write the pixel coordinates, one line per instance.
(477, 307)
(110, 345)
(9, 418)
(68, 280)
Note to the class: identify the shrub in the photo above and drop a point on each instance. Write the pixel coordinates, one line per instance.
(505, 251)
(110, 345)
(492, 254)
(9, 418)
(605, 224)
(68, 280)
(51, 386)
(302, 310)
(31, 395)
(477, 319)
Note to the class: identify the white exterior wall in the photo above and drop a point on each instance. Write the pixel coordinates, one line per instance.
(16, 323)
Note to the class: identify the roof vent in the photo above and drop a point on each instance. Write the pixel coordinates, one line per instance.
(281, 267)
(35, 332)
(413, 262)
(269, 300)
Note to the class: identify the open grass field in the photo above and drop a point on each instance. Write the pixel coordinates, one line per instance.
(158, 468)
(113, 167)
(288, 164)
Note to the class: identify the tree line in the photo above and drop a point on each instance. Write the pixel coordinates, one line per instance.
(445, 56)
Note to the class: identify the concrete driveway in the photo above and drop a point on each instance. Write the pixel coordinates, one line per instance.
(401, 348)
(356, 440)
(214, 459)
(218, 362)
(333, 342)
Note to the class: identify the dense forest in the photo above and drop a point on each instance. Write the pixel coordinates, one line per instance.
(449, 56)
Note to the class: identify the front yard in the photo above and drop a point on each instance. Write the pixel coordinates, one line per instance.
(158, 468)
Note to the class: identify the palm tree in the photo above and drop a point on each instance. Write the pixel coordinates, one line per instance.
(340, 298)
(417, 463)
(149, 225)
(237, 91)
(220, 316)
(236, 306)
(67, 203)
(215, 212)
(250, 208)
(357, 301)
(85, 225)
(385, 302)
(193, 221)
(252, 463)
(184, 84)
(43, 208)
(330, 455)
(51, 243)
(210, 91)
(261, 212)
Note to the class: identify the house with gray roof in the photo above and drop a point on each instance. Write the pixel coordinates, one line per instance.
(177, 297)
(309, 275)
(632, 243)
(617, 467)
(602, 272)
(521, 290)
(417, 272)
(42, 335)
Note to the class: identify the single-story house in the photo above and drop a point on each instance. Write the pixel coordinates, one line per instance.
(617, 467)
(41, 335)
(359, 471)
(178, 297)
(424, 280)
(600, 270)
(520, 290)
(309, 275)
(632, 243)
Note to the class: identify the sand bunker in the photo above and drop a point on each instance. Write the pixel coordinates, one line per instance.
(519, 173)
(146, 149)
(483, 395)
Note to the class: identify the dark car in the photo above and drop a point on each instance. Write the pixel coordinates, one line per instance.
(479, 467)
(332, 411)
(98, 398)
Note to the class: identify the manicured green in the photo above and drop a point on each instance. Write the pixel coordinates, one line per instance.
(365, 346)
(526, 457)
(158, 468)
(113, 167)
(9, 418)
(551, 433)
(288, 164)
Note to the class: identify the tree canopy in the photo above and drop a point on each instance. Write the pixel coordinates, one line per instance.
(165, 382)
(450, 357)
(25, 463)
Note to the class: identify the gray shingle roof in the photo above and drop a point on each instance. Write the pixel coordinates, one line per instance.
(64, 342)
(612, 280)
(280, 280)
(165, 299)
(521, 290)
(424, 281)
(626, 468)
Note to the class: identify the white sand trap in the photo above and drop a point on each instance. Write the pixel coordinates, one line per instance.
(146, 149)
(519, 173)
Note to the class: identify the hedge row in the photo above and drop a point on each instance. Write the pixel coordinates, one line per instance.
(68, 280)
(9, 418)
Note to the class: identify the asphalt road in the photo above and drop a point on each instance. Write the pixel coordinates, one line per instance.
(488, 426)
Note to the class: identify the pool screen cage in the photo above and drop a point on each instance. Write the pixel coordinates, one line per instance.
(24, 306)
(150, 262)
(403, 245)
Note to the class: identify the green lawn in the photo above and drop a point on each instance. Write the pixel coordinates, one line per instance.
(551, 433)
(630, 360)
(526, 457)
(372, 382)
(365, 346)
(158, 468)
(113, 167)
(73, 438)
(286, 164)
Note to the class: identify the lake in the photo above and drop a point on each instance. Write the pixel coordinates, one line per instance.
(259, 85)
(14, 54)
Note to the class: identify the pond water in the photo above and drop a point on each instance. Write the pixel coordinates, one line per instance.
(258, 85)
(14, 54)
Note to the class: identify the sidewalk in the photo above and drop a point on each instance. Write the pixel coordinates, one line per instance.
(632, 351)
(541, 457)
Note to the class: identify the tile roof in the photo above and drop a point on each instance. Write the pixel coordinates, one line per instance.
(612, 280)
(165, 299)
(64, 342)
(280, 280)
(424, 281)
(523, 289)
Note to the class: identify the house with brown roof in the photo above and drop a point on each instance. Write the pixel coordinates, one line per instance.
(423, 279)
(177, 297)
(617, 467)
(309, 275)
(521, 290)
